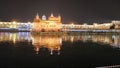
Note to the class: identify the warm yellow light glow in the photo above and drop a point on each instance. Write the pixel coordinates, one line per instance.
(72, 23)
(50, 25)
(29, 22)
(53, 43)
(5, 23)
(14, 22)
(85, 23)
(9, 23)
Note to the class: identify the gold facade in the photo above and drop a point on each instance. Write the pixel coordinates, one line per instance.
(53, 24)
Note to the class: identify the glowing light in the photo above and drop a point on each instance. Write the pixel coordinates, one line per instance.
(29, 22)
(50, 25)
(43, 17)
(53, 43)
(95, 24)
(14, 22)
(72, 39)
(9, 23)
(85, 23)
(71, 23)
(51, 15)
(5, 23)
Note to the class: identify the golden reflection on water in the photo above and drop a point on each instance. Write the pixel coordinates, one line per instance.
(53, 42)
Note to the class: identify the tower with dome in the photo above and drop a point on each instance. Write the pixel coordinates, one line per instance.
(53, 24)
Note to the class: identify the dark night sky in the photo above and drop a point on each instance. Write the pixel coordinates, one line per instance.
(71, 10)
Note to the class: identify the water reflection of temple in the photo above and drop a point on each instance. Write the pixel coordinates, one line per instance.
(113, 40)
(51, 42)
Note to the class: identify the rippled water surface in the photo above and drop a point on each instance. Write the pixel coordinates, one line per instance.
(23, 50)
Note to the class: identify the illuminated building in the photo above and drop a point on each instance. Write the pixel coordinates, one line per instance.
(16, 25)
(117, 24)
(8, 24)
(53, 24)
(85, 26)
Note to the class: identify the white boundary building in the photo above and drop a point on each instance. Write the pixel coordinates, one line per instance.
(65, 27)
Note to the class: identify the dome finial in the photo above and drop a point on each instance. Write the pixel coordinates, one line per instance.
(52, 15)
(43, 17)
(37, 16)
